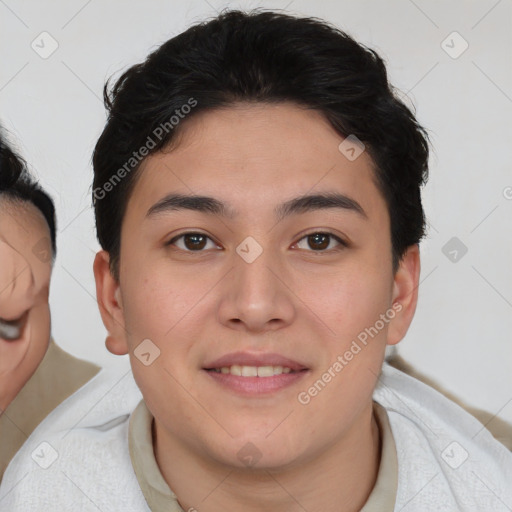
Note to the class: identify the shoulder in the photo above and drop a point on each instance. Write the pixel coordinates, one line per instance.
(78, 456)
(57, 377)
(447, 459)
(72, 371)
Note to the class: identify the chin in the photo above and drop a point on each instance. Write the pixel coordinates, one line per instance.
(258, 452)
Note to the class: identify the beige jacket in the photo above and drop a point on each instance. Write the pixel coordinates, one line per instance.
(58, 376)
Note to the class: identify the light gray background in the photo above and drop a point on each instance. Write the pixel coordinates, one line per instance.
(461, 335)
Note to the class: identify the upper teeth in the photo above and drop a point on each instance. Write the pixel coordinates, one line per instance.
(253, 371)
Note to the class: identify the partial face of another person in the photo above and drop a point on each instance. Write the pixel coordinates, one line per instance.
(25, 269)
(267, 284)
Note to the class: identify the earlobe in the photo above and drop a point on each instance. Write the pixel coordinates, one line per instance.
(405, 294)
(108, 295)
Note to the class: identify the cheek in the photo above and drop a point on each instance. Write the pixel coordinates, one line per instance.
(38, 335)
(346, 376)
(154, 304)
(40, 326)
(163, 307)
(149, 300)
(347, 301)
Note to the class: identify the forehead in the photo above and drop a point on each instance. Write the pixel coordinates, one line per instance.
(253, 155)
(23, 227)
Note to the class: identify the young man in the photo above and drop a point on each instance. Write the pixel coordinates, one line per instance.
(35, 374)
(257, 198)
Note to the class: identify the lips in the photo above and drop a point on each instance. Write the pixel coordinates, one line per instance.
(255, 375)
(246, 359)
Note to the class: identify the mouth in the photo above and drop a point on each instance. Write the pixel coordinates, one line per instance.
(253, 371)
(255, 374)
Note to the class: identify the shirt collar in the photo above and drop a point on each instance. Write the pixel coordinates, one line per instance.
(160, 497)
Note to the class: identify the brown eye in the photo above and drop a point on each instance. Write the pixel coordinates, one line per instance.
(319, 242)
(191, 242)
(194, 242)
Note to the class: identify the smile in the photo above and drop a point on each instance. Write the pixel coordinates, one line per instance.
(253, 371)
(255, 381)
(254, 374)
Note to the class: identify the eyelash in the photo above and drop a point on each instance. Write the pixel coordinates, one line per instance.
(342, 243)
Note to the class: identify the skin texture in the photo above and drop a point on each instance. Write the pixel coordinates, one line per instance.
(25, 253)
(292, 300)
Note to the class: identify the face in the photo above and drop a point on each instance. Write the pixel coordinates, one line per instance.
(269, 283)
(25, 252)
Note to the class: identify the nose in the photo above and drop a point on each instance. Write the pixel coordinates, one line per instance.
(256, 296)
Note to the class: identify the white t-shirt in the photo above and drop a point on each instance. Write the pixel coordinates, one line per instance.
(78, 458)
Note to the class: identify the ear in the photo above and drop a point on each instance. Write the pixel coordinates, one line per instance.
(108, 294)
(405, 294)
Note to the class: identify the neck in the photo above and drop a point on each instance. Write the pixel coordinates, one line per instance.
(340, 478)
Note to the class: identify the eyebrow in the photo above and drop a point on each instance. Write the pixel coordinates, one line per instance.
(302, 204)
